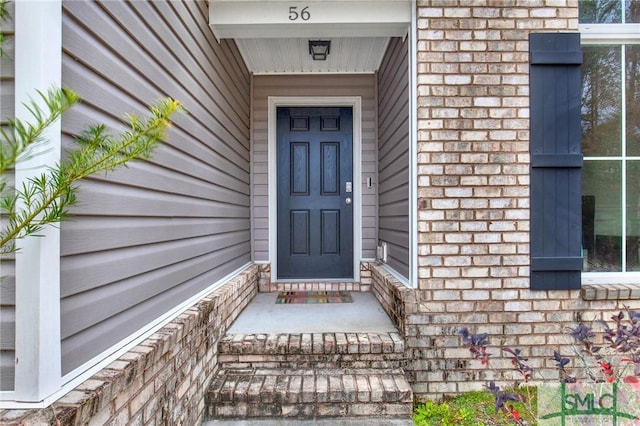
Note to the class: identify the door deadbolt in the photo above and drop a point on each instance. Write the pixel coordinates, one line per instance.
(348, 187)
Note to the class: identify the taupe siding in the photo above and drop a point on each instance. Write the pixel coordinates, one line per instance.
(312, 85)
(7, 267)
(148, 237)
(393, 145)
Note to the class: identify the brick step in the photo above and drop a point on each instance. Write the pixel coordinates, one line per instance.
(314, 286)
(309, 393)
(312, 350)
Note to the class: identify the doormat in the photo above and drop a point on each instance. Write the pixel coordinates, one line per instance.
(314, 297)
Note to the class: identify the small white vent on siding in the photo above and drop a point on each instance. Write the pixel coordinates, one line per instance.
(382, 252)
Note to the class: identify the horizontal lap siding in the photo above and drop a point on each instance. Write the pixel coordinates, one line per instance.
(147, 237)
(7, 267)
(311, 85)
(393, 144)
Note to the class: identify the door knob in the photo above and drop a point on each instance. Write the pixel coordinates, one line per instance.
(348, 200)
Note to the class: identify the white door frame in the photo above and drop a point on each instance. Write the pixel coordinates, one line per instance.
(296, 101)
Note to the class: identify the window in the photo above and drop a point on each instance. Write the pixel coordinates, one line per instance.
(609, 11)
(610, 37)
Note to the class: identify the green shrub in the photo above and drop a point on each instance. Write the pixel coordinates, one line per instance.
(475, 408)
(434, 414)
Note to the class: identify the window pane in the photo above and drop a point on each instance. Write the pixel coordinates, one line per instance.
(633, 215)
(600, 11)
(601, 101)
(602, 215)
(632, 9)
(632, 53)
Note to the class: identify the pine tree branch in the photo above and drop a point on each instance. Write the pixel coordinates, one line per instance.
(24, 136)
(102, 152)
(4, 13)
(45, 199)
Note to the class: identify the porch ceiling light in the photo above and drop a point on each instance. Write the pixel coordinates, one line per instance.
(319, 49)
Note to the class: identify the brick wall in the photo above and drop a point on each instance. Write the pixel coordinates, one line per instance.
(161, 381)
(473, 154)
(397, 300)
(266, 285)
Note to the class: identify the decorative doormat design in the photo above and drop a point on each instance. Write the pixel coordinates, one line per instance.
(285, 297)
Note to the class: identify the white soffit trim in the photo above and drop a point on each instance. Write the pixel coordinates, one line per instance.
(312, 18)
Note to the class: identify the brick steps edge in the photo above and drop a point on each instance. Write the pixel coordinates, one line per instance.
(309, 393)
(312, 343)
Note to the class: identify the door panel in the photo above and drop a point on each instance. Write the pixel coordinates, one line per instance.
(315, 222)
(300, 232)
(330, 230)
(330, 168)
(299, 168)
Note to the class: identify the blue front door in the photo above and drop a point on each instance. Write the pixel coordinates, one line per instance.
(315, 192)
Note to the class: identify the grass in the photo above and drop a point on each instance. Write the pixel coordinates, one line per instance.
(475, 408)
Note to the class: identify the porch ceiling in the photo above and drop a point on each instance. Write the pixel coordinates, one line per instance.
(273, 35)
(291, 55)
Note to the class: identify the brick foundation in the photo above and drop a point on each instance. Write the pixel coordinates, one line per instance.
(161, 381)
(534, 321)
(396, 299)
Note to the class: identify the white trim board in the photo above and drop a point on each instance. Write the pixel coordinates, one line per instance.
(295, 101)
(38, 67)
(631, 278)
(609, 33)
(413, 149)
(313, 19)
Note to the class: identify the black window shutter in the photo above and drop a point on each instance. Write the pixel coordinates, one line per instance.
(556, 160)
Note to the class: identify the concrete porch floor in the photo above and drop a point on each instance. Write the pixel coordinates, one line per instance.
(263, 315)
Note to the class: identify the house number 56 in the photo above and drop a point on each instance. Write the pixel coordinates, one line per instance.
(295, 13)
